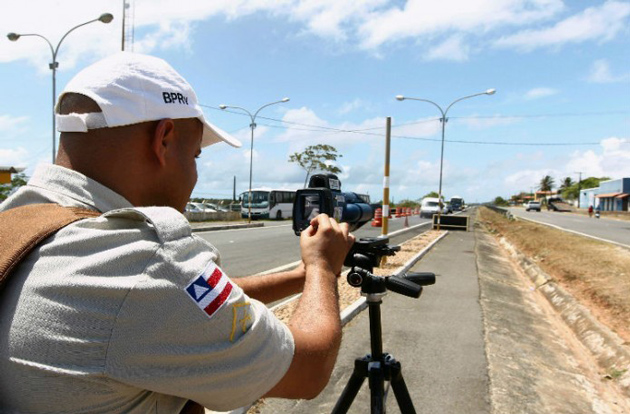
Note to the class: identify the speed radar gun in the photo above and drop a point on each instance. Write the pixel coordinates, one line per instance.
(324, 196)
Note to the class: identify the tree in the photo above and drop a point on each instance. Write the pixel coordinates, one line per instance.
(314, 158)
(573, 192)
(500, 201)
(17, 181)
(565, 185)
(432, 194)
(546, 184)
(407, 203)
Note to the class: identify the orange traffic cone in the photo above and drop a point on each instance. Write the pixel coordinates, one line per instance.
(378, 218)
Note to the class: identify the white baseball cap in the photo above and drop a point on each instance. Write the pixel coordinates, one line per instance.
(131, 88)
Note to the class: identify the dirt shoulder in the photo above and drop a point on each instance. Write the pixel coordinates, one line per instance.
(596, 273)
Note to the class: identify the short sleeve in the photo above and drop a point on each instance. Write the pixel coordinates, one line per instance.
(186, 329)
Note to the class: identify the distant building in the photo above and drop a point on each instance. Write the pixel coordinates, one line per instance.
(543, 195)
(612, 195)
(5, 173)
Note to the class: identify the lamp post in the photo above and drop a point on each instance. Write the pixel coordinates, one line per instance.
(444, 120)
(252, 125)
(105, 18)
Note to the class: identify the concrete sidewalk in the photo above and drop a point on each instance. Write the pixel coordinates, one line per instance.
(438, 339)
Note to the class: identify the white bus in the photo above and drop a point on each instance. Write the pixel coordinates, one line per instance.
(268, 203)
(457, 203)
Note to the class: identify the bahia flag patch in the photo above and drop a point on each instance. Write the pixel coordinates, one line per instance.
(210, 290)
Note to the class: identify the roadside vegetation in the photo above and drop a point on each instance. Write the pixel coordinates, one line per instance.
(595, 273)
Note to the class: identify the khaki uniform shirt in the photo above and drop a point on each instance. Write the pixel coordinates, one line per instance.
(128, 312)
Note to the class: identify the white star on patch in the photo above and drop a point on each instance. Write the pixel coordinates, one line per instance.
(200, 290)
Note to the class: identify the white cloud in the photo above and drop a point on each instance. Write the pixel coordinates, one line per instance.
(445, 29)
(420, 128)
(538, 93)
(525, 179)
(600, 24)
(422, 19)
(613, 160)
(348, 107)
(452, 48)
(14, 157)
(601, 73)
(9, 124)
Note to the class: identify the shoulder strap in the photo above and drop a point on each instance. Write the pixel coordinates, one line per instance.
(23, 228)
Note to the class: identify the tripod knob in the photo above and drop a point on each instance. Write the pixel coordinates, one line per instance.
(355, 279)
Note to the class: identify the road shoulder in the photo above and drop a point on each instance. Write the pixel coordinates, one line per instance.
(536, 364)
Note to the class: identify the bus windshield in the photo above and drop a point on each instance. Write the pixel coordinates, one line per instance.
(457, 203)
(259, 199)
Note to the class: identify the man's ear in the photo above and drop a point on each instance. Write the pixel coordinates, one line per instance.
(162, 139)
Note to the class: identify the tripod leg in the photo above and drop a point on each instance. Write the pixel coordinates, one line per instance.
(377, 385)
(352, 387)
(400, 390)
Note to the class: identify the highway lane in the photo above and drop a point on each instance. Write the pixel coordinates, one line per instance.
(609, 229)
(249, 251)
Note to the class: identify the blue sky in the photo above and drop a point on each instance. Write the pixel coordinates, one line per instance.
(561, 71)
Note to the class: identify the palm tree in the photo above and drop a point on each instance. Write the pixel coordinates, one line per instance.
(546, 184)
(566, 184)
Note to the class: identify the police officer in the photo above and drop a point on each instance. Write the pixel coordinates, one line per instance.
(131, 312)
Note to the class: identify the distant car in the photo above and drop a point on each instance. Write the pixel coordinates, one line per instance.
(215, 207)
(204, 207)
(191, 208)
(429, 207)
(447, 209)
(533, 205)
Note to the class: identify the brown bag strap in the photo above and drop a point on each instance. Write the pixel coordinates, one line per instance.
(23, 228)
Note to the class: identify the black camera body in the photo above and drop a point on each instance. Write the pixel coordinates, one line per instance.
(324, 195)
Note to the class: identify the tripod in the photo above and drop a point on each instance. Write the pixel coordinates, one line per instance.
(379, 367)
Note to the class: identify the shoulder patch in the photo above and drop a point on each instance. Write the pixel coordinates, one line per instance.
(210, 290)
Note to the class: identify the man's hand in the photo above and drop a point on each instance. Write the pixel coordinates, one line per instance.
(325, 244)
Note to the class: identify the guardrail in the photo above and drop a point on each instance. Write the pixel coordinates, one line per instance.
(500, 210)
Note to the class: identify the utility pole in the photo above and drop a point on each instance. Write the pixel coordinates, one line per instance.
(579, 186)
(388, 131)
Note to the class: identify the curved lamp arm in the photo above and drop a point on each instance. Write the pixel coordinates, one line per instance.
(488, 92)
(15, 36)
(269, 104)
(253, 117)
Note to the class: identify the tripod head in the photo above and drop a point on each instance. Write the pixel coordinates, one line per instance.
(366, 254)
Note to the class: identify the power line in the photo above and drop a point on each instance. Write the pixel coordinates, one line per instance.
(504, 143)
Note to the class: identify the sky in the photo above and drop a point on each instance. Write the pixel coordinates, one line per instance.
(561, 70)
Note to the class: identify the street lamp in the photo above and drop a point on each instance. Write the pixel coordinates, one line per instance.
(444, 120)
(252, 125)
(105, 18)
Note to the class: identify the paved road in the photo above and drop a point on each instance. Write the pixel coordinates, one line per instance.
(615, 230)
(249, 251)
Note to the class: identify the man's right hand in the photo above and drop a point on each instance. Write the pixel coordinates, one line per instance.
(325, 243)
